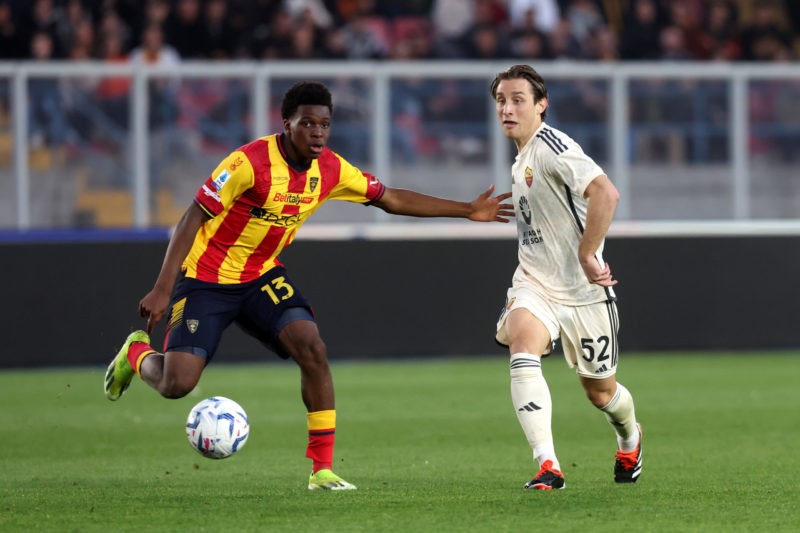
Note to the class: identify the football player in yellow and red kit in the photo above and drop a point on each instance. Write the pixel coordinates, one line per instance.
(222, 266)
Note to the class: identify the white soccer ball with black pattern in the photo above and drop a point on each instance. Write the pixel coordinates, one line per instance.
(217, 427)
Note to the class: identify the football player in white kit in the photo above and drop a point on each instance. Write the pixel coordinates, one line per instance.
(562, 287)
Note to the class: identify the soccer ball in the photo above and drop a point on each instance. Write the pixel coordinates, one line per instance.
(217, 427)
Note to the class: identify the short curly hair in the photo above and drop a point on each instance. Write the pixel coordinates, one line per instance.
(305, 93)
(522, 72)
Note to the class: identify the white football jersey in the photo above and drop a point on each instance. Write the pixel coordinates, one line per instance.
(550, 176)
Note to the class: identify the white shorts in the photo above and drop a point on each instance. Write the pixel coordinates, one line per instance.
(588, 332)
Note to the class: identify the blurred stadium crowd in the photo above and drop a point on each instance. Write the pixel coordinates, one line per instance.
(433, 119)
(602, 30)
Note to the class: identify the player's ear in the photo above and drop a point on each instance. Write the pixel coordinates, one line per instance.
(541, 105)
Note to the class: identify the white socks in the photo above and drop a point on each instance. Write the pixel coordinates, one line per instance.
(620, 414)
(531, 398)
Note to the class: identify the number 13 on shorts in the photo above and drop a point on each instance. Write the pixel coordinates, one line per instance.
(278, 290)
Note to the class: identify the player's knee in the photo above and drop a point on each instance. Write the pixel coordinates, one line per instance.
(599, 398)
(175, 388)
(311, 354)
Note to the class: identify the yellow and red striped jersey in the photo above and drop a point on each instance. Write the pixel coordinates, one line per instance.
(258, 201)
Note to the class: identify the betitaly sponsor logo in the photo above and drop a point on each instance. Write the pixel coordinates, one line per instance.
(292, 198)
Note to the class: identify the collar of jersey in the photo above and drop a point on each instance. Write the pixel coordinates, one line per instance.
(292, 163)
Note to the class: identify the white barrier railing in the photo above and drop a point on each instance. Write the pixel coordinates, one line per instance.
(259, 74)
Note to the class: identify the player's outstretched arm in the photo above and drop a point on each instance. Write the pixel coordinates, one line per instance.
(484, 208)
(154, 305)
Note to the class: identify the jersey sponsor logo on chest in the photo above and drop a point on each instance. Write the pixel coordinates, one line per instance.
(278, 219)
(292, 198)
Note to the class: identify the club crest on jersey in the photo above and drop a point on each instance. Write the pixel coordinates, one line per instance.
(528, 176)
(312, 183)
(219, 181)
(192, 324)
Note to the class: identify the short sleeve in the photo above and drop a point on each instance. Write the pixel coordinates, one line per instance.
(232, 177)
(574, 168)
(357, 186)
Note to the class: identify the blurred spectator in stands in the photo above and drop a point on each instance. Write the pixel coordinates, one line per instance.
(487, 38)
(250, 20)
(583, 32)
(46, 119)
(363, 39)
(112, 93)
(765, 39)
(687, 17)
(722, 31)
(673, 45)
(542, 15)
(412, 39)
(72, 19)
(275, 40)
(219, 39)
(132, 13)
(154, 51)
(486, 41)
(43, 18)
(563, 44)
(314, 10)
(81, 45)
(584, 19)
(156, 12)
(76, 90)
(530, 44)
(11, 38)
(304, 45)
(184, 29)
(603, 46)
(335, 44)
(451, 19)
(112, 24)
(641, 31)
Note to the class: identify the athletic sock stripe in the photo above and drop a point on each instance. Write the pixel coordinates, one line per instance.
(525, 363)
(321, 433)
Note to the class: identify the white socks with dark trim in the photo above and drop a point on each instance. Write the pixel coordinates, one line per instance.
(531, 398)
(622, 417)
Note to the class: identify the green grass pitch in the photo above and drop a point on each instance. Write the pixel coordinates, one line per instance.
(433, 445)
